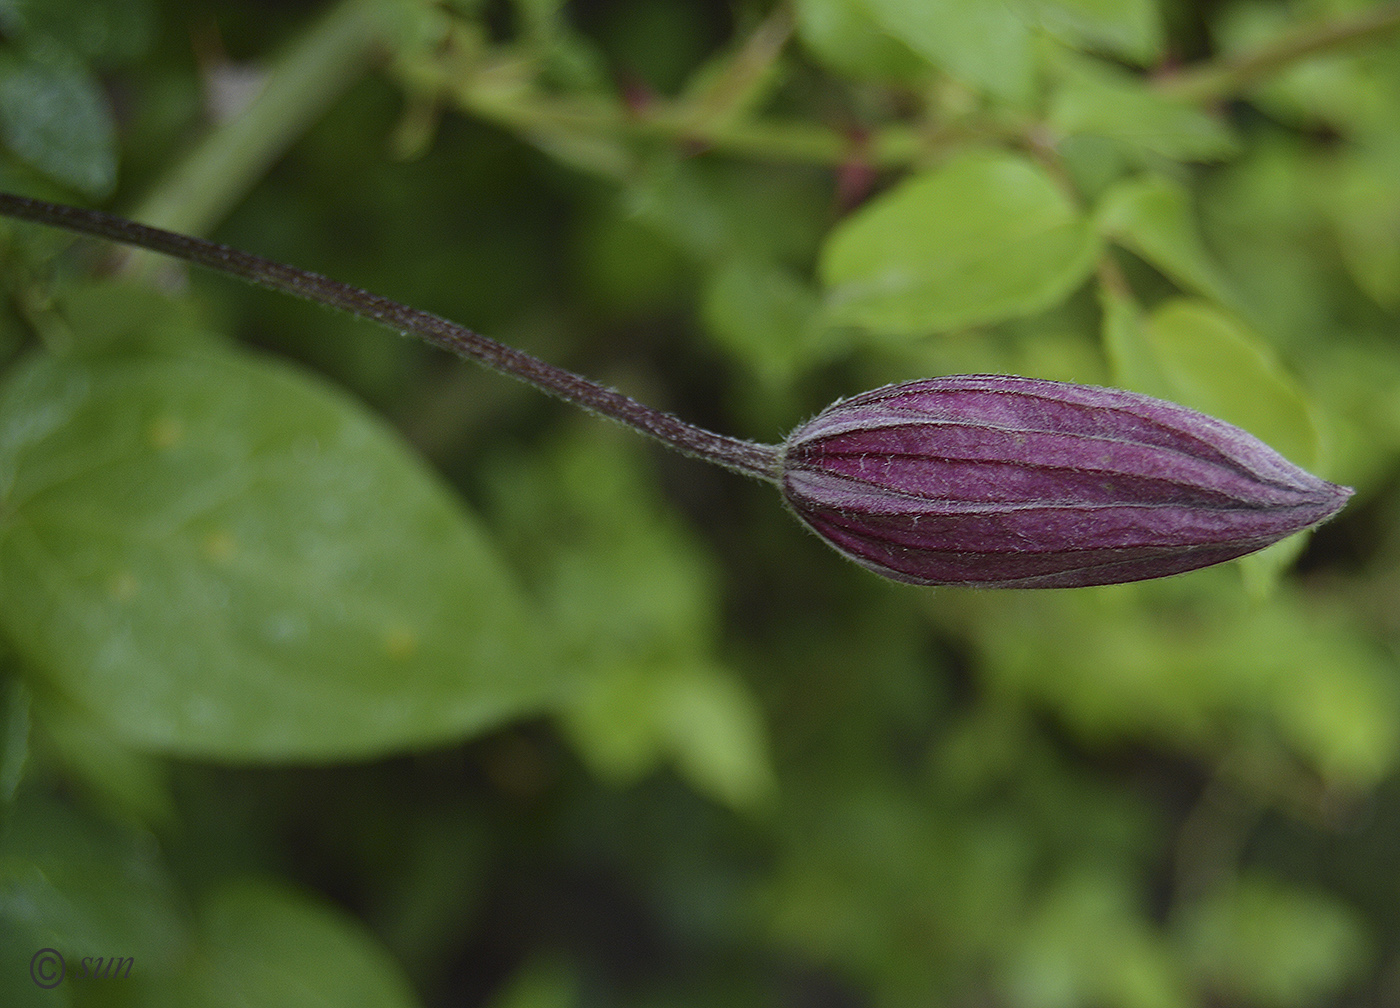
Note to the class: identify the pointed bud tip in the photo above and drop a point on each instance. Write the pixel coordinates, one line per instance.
(998, 481)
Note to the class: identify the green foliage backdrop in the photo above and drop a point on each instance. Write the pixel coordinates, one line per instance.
(335, 671)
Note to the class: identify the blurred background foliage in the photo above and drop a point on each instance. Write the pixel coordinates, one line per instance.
(336, 671)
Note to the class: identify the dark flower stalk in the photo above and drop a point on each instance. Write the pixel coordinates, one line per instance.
(732, 453)
(982, 480)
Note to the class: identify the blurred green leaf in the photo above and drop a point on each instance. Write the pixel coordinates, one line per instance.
(258, 943)
(1095, 99)
(1259, 216)
(1131, 357)
(1188, 666)
(714, 210)
(1342, 715)
(84, 888)
(1152, 216)
(218, 555)
(613, 723)
(656, 41)
(616, 569)
(625, 267)
(538, 18)
(1352, 90)
(54, 115)
(1087, 944)
(631, 596)
(1217, 365)
(987, 46)
(1264, 943)
(1357, 191)
(716, 731)
(1131, 28)
(119, 316)
(14, 738)
(874, 865)
(132, 785)
(844, 35)
(1361, 385)
(107, 34)
(984, 238)
(702, 718)
(540, 984)
(764, 316)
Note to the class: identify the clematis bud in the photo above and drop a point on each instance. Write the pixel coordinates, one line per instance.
(985, 480)
(996, 481)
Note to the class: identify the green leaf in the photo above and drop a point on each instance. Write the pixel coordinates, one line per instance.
(986, 46)
(14, 739)
(713, 210)
(626, 267)
(54, 116)
(634, 598)
(1113, 664)
(1093, 99)
(618, 569)
(133, 785)
(122, 316)
(844, 36)
(1341, 714)
(1349, 89)
(1358, 193)
(1132, 359)
(1263, 943)
(1131, 28)
(83, 888)
(262, 944)
(1152, 217)
(1085, 943)
(104, 34)
(219, 556)
(714, 728)
(763, 315)
(1215, 364)
(541, 983)
(627, 719)
(982, 239)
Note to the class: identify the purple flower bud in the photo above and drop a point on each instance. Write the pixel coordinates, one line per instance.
(1003, 482)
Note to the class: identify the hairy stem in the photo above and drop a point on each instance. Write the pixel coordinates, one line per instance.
(747, 457)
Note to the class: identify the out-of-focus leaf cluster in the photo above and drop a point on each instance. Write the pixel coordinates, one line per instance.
(334, 670)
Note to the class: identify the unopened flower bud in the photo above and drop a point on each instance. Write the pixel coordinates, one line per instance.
(1003, 482)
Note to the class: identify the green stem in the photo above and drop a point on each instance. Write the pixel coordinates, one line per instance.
(767, 139)
(896, 145)
(746, 457)
(300, 85)
(745, 75)
(1235, 74)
